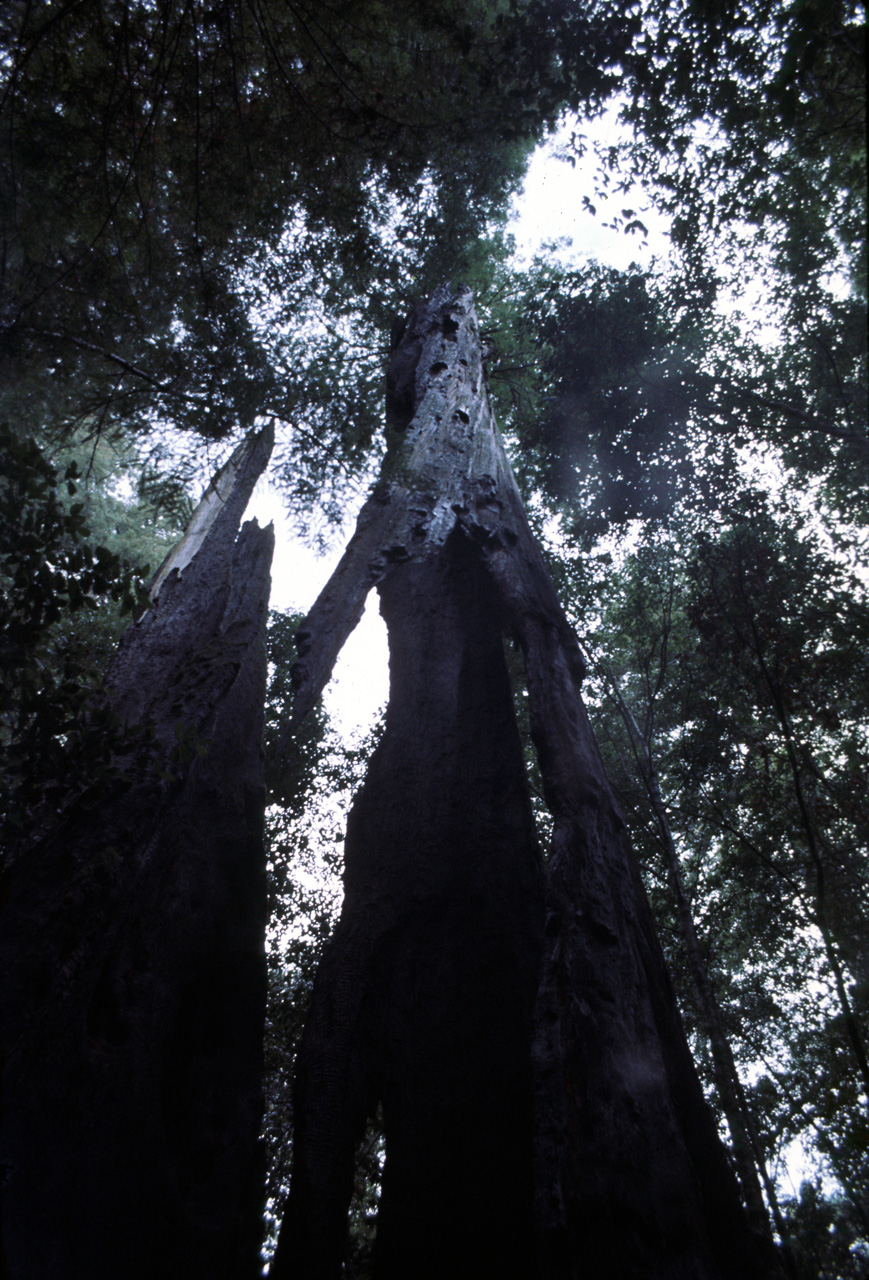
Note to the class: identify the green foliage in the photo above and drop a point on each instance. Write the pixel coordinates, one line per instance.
(831, 1240)
(51, 576)
(754, 116)
(191, 194)
(741, 655)
(748, 131)
(783, 628)
(629, 403)
(609, 435)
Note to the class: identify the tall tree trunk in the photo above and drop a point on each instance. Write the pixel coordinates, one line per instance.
(132, 948)
(425, 997)
(850, 1021)
(746, 1145)
(435, 953)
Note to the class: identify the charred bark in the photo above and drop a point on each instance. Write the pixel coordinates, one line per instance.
(132, 948)
(630, 1177)
(424, 1000)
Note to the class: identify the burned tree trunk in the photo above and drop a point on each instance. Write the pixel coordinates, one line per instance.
(423, 1000)
(132, 951)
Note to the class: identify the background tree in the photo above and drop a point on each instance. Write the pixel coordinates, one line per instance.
(726, 781)
(753, 128)
(630, 403)
(67, 586)
(790, 624)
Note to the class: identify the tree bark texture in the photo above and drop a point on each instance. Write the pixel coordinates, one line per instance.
(425, 997)
(132, 948)
(630, 1178)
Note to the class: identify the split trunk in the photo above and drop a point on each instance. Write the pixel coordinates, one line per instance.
(541, 1109)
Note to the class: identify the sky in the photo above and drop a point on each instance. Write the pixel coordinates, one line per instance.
(549, 212)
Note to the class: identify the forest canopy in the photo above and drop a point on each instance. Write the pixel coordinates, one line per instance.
(215, 215)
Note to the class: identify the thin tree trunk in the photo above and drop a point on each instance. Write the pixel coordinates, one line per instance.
(747, 1150)
(132, 951)
(849, 1018)
(631, 1179)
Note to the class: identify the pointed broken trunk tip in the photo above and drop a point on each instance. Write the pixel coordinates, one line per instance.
(232, 484)
(445, 468)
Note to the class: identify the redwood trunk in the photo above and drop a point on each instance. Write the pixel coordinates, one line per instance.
(132, 953)
(437, 947)
(424, 1001)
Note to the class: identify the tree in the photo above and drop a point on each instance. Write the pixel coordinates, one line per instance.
(74, 560)
(206, 193)
(715, 88)
(53, 570)
(787, 622)
(751, 133)
(428, 999)
(643, 626)
(133, 989)
(208, 213)
(701, 634)
(634, 401)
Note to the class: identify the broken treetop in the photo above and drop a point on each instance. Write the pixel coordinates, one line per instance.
(445, 467)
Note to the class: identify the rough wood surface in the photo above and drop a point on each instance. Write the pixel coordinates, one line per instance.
(132, 965)
(447, 466)
(631, 1179)
(424, 998)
